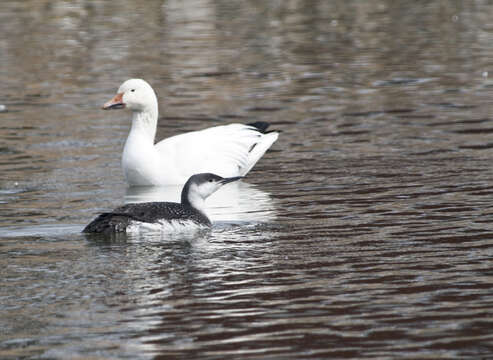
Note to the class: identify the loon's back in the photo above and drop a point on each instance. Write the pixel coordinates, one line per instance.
(151, 212)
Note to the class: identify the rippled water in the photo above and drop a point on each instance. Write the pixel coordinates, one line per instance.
(364, 233)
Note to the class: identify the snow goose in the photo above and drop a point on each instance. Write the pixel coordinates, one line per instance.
(227, 150)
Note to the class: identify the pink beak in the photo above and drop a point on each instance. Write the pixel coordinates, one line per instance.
(115, 103)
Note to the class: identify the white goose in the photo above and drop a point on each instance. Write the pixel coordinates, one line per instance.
(227, 150)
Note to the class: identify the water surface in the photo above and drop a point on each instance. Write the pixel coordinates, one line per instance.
(364, 233)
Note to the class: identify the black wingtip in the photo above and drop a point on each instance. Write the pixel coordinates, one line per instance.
(261, 126)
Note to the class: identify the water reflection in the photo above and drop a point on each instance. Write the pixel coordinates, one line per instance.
(374, 238)
(236, 202)
(196, 280)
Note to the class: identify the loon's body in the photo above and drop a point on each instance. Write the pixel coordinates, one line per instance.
(189, 213)
(227, 150)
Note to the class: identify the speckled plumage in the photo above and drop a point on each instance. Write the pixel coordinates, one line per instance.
(150, 212)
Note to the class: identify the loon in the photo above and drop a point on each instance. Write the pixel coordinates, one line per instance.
(227, 150)
(189, 213)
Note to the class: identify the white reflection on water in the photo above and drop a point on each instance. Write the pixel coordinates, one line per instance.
(236, 202)
(184, 277)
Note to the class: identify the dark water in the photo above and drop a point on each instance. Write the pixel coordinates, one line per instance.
(366, 232)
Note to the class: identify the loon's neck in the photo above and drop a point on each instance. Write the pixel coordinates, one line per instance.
(190, 197)
(199, 209)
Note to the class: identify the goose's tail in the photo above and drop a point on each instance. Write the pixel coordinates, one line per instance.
(265, 141)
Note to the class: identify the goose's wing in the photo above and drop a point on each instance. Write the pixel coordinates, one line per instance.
(228, 150)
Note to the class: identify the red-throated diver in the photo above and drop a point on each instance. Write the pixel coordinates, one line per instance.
(189, 213)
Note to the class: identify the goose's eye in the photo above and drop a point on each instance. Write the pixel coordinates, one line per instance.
(210, 180)
(133, 90)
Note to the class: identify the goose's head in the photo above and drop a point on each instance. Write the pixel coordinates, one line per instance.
(200, 186)
(135, 94)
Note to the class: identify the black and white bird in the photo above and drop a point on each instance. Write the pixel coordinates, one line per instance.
(167, 216)
(227, 150)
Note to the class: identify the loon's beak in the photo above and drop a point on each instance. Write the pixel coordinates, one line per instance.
(231, 179)
(115, 103)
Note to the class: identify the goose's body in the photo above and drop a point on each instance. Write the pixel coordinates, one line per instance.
(189, 214)
(227, 150)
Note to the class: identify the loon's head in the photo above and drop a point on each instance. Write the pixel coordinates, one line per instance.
(135, 94)
(200, 186)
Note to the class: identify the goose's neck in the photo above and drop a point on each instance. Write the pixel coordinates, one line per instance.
(144, 123)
